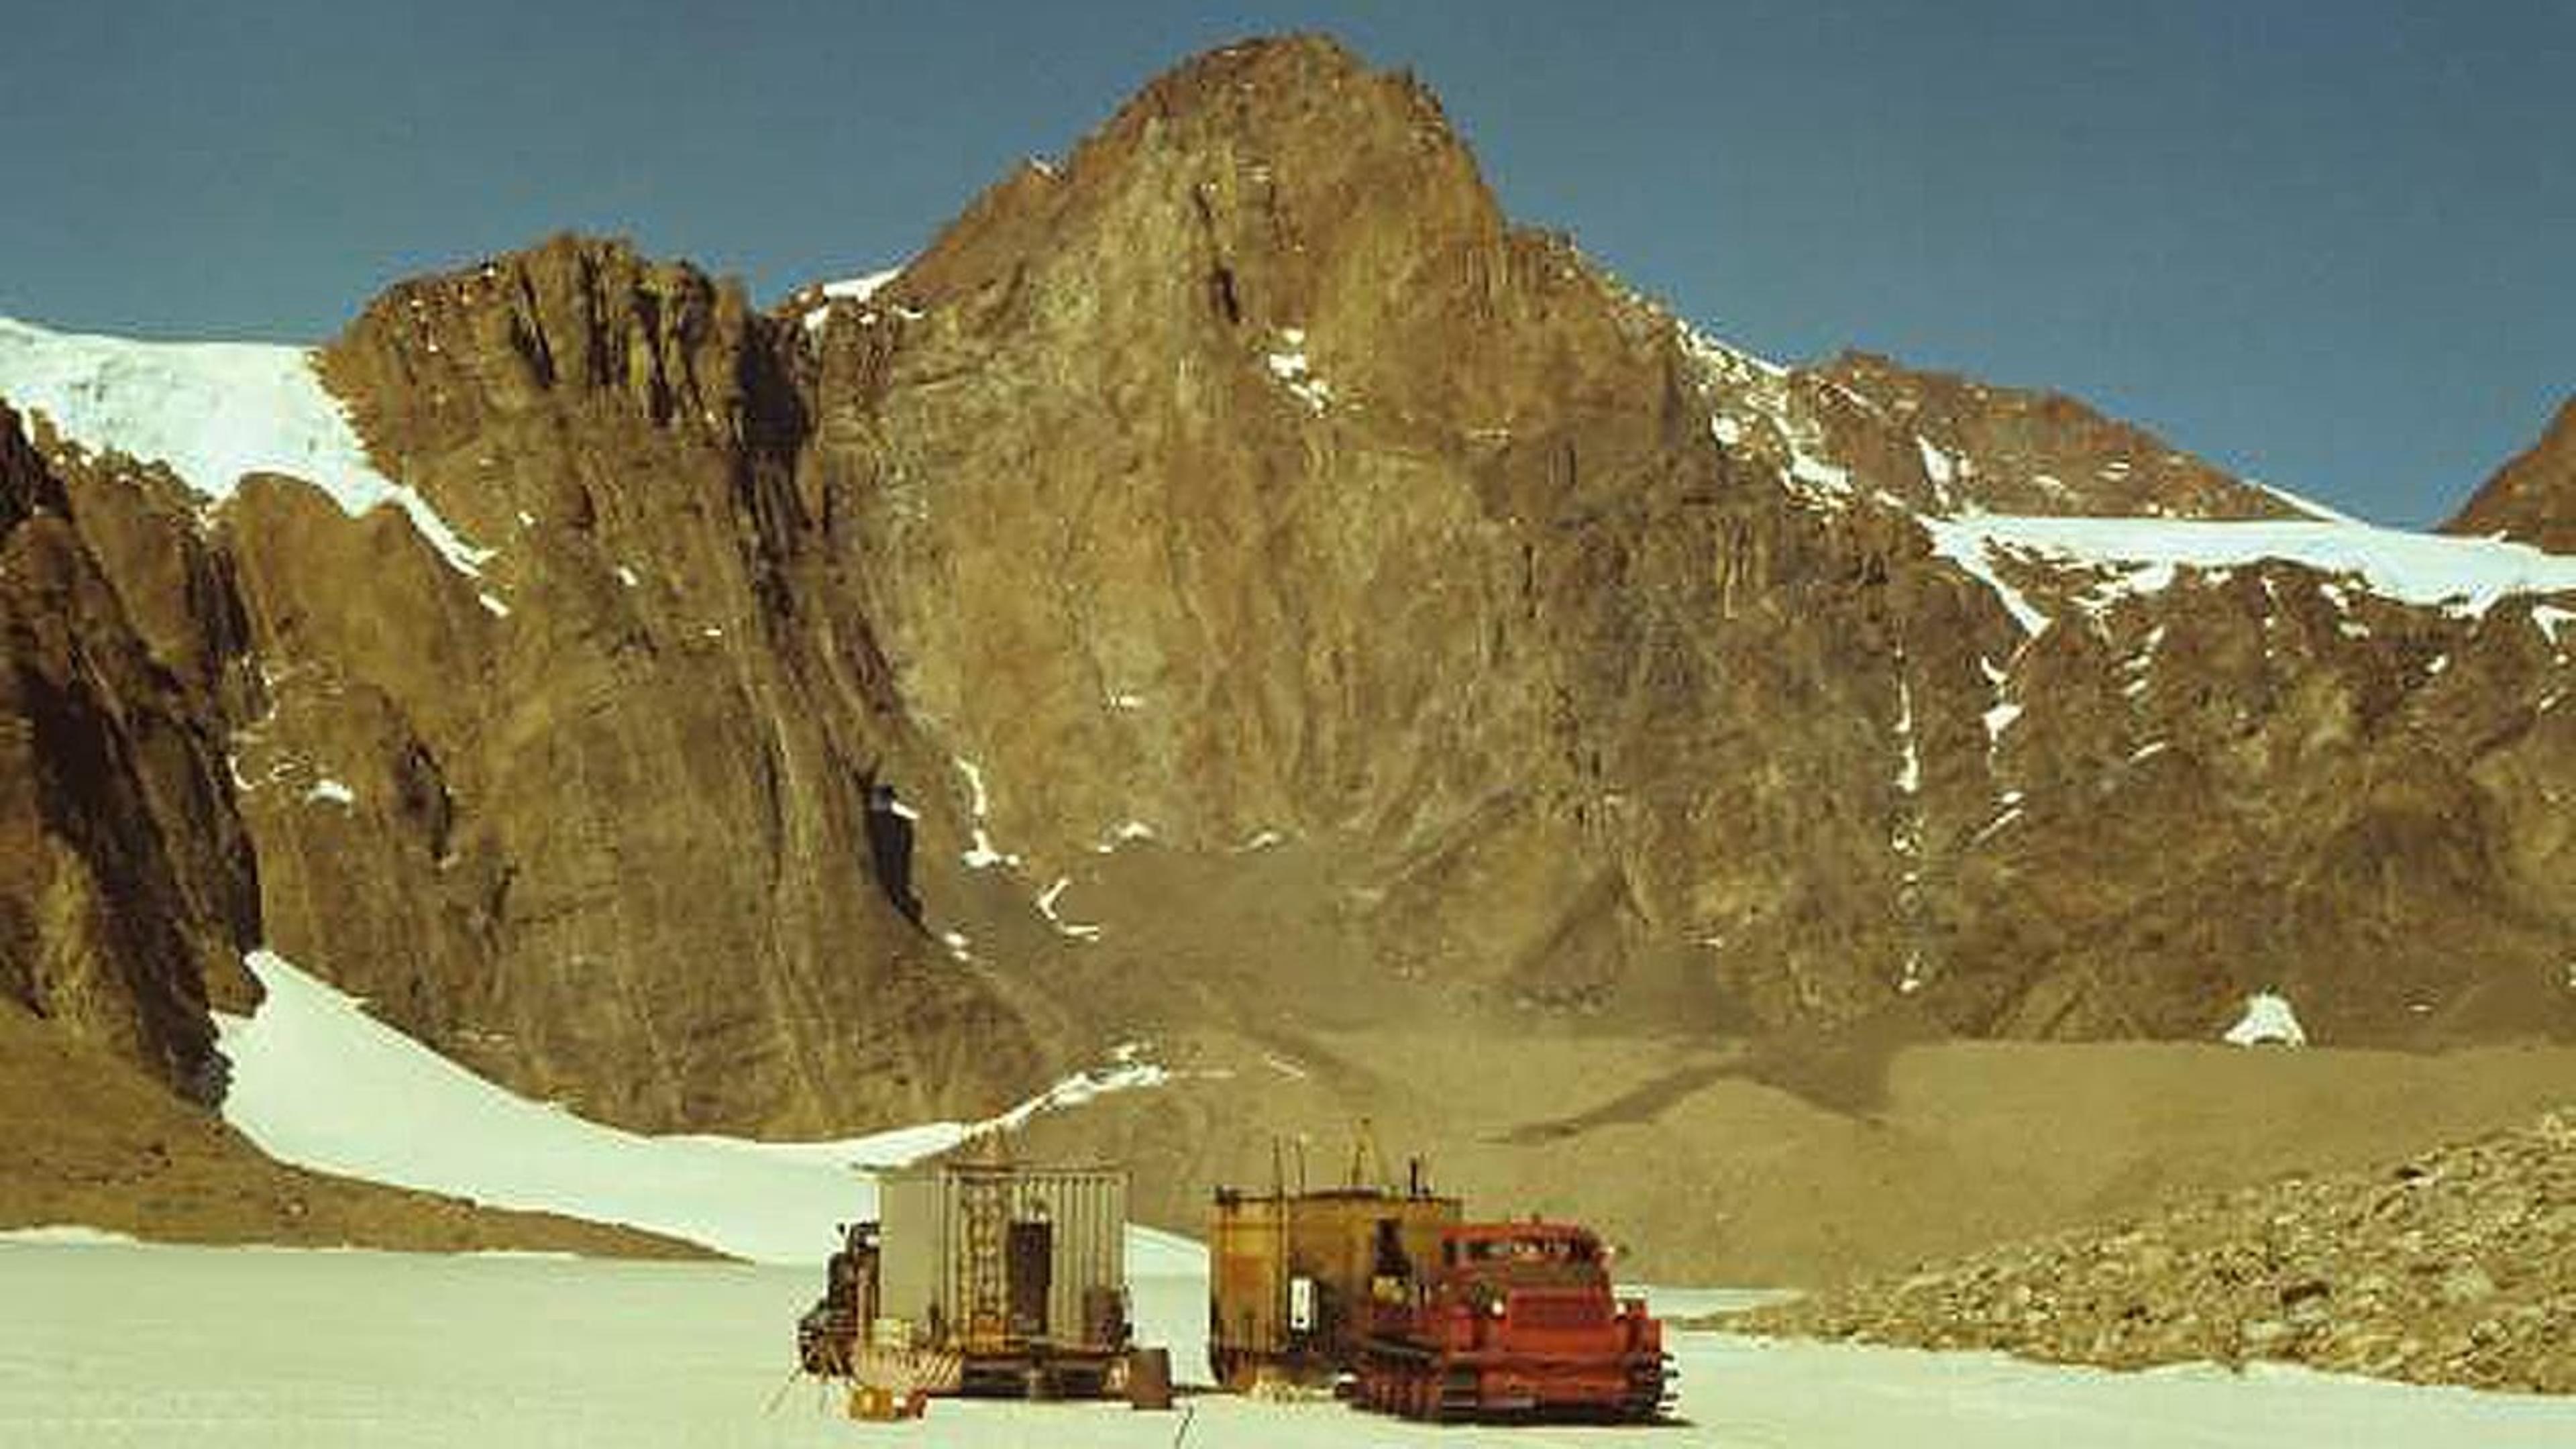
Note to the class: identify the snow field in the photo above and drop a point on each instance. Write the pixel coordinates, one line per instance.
(319, 1083)
(212, 411)
(235, 1348)
(2458, 575)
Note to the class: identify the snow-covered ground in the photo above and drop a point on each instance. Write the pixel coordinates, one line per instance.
(319, 1083)
(213, 411)
(104, 1342)
(217, 1348)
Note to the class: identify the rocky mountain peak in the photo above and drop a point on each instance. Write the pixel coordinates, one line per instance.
(2533, 498)
(1280, 200)
(1245, 144)
(450, 376)
(573, 312)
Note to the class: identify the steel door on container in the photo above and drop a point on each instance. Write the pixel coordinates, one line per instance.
(1030, 1277)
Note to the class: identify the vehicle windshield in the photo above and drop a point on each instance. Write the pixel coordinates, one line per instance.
(1534, 1248)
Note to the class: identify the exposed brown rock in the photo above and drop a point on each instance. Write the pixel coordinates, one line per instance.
(610, 845)
(126, 881)
(2015, 451)
(2533, 498)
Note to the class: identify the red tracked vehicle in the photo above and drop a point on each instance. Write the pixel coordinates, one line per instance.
(1518, 1320)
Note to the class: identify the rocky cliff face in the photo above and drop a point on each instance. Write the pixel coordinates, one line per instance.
(1618, 673)
(127, 885)
(1284, 493)
(2532, 498)
(603, 825)
(1234, 583)
(584, 800)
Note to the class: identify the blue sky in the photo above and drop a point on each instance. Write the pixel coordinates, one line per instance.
(2326, 243)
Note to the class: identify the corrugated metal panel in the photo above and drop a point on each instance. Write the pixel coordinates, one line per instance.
(909, 1278)
(1087, 1211)
(932, 1267)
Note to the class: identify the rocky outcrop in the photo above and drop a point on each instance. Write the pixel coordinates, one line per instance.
(2456, 1266)
(2533, 498)
(127, 884)
(2007, 450)
(594, 818)
(579, 794)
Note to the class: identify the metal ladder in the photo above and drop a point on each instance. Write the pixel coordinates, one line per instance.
(985, 1203)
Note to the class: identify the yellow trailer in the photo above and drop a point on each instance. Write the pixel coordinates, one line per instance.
(1292, 1276)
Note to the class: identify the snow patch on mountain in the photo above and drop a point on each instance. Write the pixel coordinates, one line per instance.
(2009, 812)
(1909, 765)
(1746, 392)
(212, 411)
(1125, 832)
(2268, 1021)
(2305, 504)
(1962, 544)
(859, 289)
(980, 853)
(818, 310)
(1075, 930)
(1289, 366)
(2463, 576)
(319, 1083)
(2125, 556)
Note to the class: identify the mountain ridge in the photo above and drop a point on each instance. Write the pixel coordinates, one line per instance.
(2533, 497)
